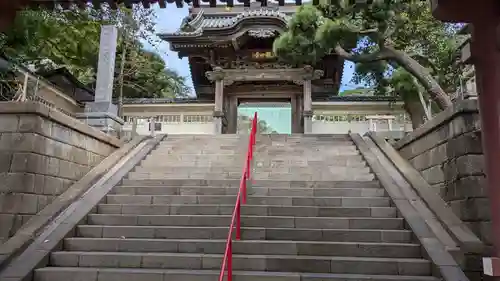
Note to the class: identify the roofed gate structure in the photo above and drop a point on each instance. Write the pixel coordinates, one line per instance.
(231, 60)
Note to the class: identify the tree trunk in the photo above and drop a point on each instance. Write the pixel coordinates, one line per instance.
(120, 81)
(388, 53)
(427, 109)
(416, 112)
(423, 76)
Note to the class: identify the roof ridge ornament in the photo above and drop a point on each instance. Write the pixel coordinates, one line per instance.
(191, 22)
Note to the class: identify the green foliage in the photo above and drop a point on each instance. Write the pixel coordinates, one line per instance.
(70, 38)
(299, 46)
(145, 76)
(381, 37)
(405, 85)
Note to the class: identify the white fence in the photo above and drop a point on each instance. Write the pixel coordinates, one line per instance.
(343, 124)
(171, 124)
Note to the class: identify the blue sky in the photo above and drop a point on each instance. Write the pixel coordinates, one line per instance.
(169, 20)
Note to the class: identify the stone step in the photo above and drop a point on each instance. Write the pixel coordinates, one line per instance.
(188, 170)
(193, 154)
(203, 146)
(349, 161)
(326, 176)
(260, 183)
(249, 247)
(249, 210)
(251, 200)
(201, 136)
(248, 221)
(261, 191)
(323, 176)
(197, 151)
(247, 233)
(277, 263)
(302, 143)
(304, 136)
(259, 162)
(312, 152)
(129, 274)
(195, 157)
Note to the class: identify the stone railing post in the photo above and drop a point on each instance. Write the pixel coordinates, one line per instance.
(152, 126)
(217, 75)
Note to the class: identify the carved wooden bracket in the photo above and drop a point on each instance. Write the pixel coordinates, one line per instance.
(216, 75)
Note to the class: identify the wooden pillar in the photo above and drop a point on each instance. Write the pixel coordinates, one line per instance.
(485, 47)
(218, 108)
(299, 114)
(217, 75)
(307, 112)
(232, 114)
(296, 114)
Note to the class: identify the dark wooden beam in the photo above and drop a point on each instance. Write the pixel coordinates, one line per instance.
(128, 3)
(146, 4)
(48, 4)
(457, 10)
(81, 4)
(95, 3)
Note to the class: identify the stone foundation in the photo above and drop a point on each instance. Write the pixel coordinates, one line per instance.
(447, 151)
(42, 153)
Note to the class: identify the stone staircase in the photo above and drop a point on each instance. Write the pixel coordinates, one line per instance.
(315, 212)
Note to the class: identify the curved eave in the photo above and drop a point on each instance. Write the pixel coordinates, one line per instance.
(203, 32)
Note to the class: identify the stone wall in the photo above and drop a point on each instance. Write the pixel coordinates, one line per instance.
(42, 152)
(447, 151)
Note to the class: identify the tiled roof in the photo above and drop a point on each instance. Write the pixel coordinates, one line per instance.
(202, 22)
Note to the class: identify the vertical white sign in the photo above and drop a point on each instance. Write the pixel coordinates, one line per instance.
(106, 63)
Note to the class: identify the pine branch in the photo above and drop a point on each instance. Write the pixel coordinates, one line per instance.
(362, 58)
